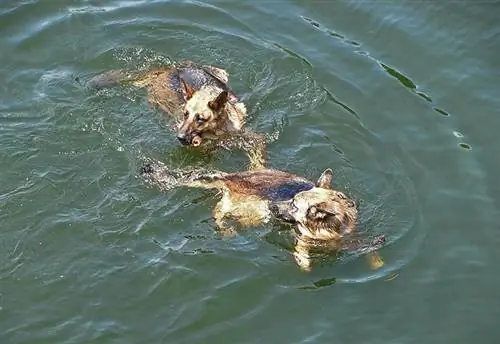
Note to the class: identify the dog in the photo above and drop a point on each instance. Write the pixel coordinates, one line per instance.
(321, 217)
(199, 97)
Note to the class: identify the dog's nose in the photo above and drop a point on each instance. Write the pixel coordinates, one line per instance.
(273, 207)
(183, 139)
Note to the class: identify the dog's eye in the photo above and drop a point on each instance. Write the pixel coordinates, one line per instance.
(316, 213)
(199, 119)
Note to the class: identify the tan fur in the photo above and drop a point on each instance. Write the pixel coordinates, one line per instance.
(204, 110)
(208, 117)
(321, 216)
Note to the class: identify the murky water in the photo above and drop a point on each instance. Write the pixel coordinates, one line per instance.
(400, 100)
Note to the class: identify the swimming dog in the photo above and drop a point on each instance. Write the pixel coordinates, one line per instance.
(320, 216)
(199, 98)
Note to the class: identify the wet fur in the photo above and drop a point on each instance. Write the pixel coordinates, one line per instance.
(255, 197)
(199, 98)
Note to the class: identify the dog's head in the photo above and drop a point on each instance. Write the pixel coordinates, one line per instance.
(319, 213)
(203, 114)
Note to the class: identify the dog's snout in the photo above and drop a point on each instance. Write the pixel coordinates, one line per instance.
(273, 207)
(281, 211)
(183, 139)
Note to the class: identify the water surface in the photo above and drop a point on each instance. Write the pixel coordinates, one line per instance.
(401, 100)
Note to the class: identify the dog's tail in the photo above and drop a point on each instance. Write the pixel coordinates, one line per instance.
(115, 77)
(166, 178)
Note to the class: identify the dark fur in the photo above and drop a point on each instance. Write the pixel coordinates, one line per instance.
(198, 96)
(165, 90)
(321, 216)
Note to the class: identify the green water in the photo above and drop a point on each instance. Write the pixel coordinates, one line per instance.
(400, 99)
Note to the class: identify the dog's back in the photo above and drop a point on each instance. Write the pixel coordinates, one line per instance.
(272, 185)
(166, 89)
(165, 85)
(196, 76)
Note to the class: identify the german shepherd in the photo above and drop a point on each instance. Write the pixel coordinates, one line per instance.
(320, 215)
(199, 98)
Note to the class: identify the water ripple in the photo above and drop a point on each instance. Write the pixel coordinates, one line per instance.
(90, 253)
(403, 79)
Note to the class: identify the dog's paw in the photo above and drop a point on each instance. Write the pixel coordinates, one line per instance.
(303, 261)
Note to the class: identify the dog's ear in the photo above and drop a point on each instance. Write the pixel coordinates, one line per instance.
(188, 90)
(325, 179)
(219, 102)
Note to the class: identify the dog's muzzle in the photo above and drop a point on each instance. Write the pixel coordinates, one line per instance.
(183, 139)
(192, 139)
(281, 210)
